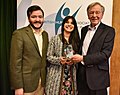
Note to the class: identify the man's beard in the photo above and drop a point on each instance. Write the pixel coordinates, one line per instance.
(36, 27)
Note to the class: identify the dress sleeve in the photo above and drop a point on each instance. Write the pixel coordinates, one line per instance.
(54, 51)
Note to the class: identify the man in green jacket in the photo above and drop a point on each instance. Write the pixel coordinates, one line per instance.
(28, 55)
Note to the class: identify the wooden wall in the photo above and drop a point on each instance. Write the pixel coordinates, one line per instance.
(115, 58)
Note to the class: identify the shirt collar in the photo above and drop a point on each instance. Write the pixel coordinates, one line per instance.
(93, 28)
(40, 31)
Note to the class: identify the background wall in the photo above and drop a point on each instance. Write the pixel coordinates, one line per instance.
(54, 15)
(115, 58)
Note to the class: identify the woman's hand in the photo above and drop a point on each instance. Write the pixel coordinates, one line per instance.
(62, 60)
(69, 61)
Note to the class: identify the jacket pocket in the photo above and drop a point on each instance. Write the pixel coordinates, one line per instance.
(103, 67)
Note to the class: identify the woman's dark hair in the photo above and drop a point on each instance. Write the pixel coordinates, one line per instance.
(74, 38)
(34, 8)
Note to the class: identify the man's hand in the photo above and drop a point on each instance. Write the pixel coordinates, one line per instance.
(19, 91)
(77, 58)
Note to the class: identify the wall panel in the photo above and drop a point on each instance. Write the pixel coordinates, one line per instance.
(115, 58)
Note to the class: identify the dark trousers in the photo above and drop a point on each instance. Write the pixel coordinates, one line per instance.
(93, 92)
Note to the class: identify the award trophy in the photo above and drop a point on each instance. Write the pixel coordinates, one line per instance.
(68, 51)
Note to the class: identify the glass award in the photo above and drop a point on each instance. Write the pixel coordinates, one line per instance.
(68, 51)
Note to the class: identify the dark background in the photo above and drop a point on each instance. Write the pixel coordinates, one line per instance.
(8, 20)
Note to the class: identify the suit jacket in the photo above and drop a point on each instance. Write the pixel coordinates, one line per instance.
(26, 63)
(96, 68)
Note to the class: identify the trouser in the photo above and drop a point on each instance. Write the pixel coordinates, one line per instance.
(93, 92)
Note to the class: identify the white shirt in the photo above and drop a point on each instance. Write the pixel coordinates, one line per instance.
(88, 38)
(38, 36)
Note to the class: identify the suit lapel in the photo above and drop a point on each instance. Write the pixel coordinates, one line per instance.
(32, 37)
(83, 34)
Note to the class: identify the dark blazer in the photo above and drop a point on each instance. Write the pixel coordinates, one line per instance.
(96, 68)
(26, 63)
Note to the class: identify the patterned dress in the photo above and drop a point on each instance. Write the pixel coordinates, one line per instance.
(57, 74)
(67, 81)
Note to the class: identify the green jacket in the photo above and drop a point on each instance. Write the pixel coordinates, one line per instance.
(26, 63)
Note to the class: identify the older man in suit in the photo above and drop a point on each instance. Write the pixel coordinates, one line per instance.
(97, 41)
(28, 55)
